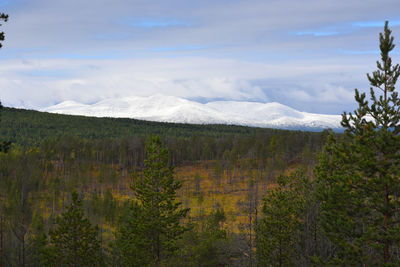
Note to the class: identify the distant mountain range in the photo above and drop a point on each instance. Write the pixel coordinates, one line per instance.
(174, 109)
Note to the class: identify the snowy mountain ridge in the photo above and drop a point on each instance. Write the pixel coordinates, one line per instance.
(179, 110)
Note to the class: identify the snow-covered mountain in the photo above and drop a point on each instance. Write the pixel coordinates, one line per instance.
(174, 109)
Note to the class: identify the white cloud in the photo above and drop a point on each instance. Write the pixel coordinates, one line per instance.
(37, 84)
(243, 50)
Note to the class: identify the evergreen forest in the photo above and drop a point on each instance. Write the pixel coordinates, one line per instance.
(83, 191)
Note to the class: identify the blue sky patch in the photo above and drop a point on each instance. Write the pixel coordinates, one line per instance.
(4, 3)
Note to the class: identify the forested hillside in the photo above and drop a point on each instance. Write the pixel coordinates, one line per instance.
(32, 127)
(223, 169)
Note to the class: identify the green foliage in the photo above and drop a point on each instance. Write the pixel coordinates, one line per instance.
(212, 241)
(110, 205)
(154, 225)
(75, 241)
(279, 231)
(32, 127)
(49, 173)
(132, 244)
(5, 146)
(122, 140)
(38, 251)
(207, 244)
(358, 176)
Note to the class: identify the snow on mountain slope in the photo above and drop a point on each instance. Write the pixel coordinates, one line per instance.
(174, 109)
(275, 115)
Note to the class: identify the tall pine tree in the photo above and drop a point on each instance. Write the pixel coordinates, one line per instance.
(148, 233)
(358, 177)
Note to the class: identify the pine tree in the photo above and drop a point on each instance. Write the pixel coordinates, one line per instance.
(75, 241)
(279, 230)
(358, 176)
(132, 245)
(149, 232)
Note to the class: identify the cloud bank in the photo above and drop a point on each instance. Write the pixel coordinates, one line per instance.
(309, 55)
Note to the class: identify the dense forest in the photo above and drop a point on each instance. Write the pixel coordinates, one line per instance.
(224, 171)
(80, 191)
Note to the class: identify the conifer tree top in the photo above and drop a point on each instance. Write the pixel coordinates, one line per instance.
(382, 112)
(386, 76)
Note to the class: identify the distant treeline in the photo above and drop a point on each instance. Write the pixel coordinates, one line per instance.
(54, 155)
(122, 140)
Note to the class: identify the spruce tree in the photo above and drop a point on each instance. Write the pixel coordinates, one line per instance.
(75, 241)
(149, 232)
(358, 176)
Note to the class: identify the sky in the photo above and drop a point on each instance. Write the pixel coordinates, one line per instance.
(308, 54)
